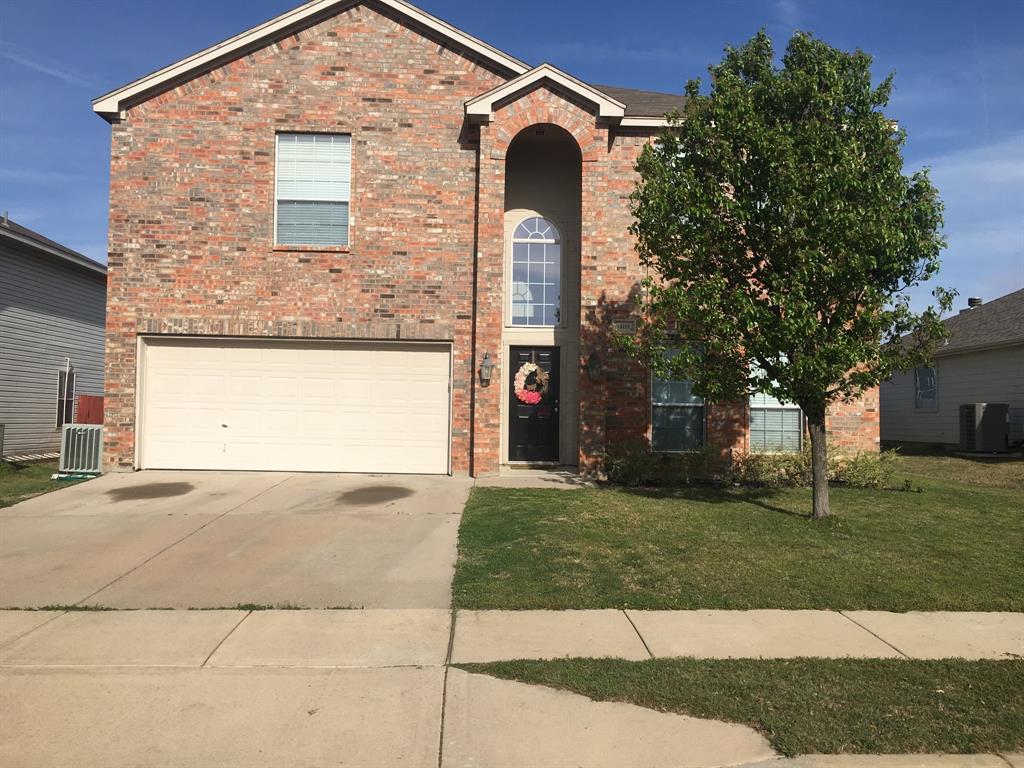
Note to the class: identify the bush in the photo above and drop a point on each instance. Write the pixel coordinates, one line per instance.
(867, 469)
(772, 470)
(635, 466)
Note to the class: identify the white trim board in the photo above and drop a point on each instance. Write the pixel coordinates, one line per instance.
(483, 105)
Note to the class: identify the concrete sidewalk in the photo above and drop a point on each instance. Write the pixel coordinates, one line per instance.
(419, 637)
(302, 687)
(482, 636)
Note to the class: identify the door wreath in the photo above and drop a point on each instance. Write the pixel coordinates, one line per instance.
(530, 384)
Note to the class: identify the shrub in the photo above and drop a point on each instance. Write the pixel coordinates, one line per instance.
(772, 470)
(867, 469)
(635, 465)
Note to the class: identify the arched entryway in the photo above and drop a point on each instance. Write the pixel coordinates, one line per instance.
(541, 307)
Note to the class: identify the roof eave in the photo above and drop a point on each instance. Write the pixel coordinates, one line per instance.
(75, 259)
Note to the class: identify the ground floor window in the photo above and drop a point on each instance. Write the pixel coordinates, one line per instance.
(677, 416)
(925, 388)
(65, 397)
(774, 425)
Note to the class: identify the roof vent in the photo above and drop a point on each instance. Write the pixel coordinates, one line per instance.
(5, 220)
(973, 301)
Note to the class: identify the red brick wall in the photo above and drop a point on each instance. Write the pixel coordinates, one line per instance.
(192, 212)
(853, 427)
(192, 204)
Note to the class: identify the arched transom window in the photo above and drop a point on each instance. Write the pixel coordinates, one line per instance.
(536, 273)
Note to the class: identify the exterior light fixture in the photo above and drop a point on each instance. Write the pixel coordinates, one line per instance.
(594, 366)
(486, 369)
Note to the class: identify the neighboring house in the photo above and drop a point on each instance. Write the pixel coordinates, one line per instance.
(52, 303)
(356, 238)
(981, 362)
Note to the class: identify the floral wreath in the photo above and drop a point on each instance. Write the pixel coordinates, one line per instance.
(532, 393)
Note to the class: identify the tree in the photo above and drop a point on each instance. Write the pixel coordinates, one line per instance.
(781, 236)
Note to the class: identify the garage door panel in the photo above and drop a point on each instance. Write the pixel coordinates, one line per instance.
(295, 406)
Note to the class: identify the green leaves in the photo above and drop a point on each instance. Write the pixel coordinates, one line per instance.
(780, 230)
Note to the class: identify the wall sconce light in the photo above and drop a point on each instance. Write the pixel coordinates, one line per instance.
(594, 366)
(486, 369)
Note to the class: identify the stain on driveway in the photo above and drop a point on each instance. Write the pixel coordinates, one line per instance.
(149, 491)
(375, 494)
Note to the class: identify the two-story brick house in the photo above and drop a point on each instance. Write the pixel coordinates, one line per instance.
(356, 238)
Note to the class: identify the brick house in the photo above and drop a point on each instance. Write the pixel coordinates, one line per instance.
(355, 238)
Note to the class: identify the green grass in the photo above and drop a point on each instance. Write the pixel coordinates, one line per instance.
(19, 482)
(951, 547)
(988, 473)
(814, 705)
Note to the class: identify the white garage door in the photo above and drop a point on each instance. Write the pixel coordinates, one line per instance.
(295, 406)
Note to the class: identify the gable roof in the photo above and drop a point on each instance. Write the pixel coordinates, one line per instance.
(110, 104)
(998, 323)
(16, 234)
(630, 106)
(483, 105)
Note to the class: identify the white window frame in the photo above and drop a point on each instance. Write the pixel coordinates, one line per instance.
(348, 230)
(558, 240)
(667, 404)
(934, 404)
(60, 417)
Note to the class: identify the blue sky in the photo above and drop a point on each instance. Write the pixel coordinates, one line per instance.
(959, 90)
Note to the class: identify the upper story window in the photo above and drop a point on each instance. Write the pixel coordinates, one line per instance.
(677, 415)
(312, 189)
(536, 273)
(925, 388)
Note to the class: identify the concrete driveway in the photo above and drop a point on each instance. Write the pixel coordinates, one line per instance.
(216, 539)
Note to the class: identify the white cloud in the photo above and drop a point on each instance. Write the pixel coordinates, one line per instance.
(789, 14)
(31, 176)
(983, 189)
(47, 68)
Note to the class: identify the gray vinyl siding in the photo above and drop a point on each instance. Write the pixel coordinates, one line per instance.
(990, 376)
(48, 312)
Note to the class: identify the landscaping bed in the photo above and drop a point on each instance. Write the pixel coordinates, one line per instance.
(813, 705)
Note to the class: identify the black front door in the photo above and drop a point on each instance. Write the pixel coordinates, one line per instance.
(533, 404)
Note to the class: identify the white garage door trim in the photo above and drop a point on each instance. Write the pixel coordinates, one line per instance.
(294, 423)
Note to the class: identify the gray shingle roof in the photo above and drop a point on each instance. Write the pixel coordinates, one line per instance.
(644, 103)
(996, 323)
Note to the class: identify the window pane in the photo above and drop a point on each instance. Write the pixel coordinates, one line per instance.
(536, 275)
(926, 383)
(663, 391)
(303, 222)
(775, 429)
(677, 428)
(314, 167)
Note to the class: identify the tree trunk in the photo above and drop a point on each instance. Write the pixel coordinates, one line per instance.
(819, 464)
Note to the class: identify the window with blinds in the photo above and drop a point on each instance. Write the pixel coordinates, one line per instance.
(774, 426)
(313, 187)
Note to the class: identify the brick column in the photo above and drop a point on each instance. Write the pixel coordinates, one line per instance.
(486, 428)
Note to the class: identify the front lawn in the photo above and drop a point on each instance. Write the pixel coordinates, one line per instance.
(814, 705)
(951, 547)
(985, 472)
(19, 482)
